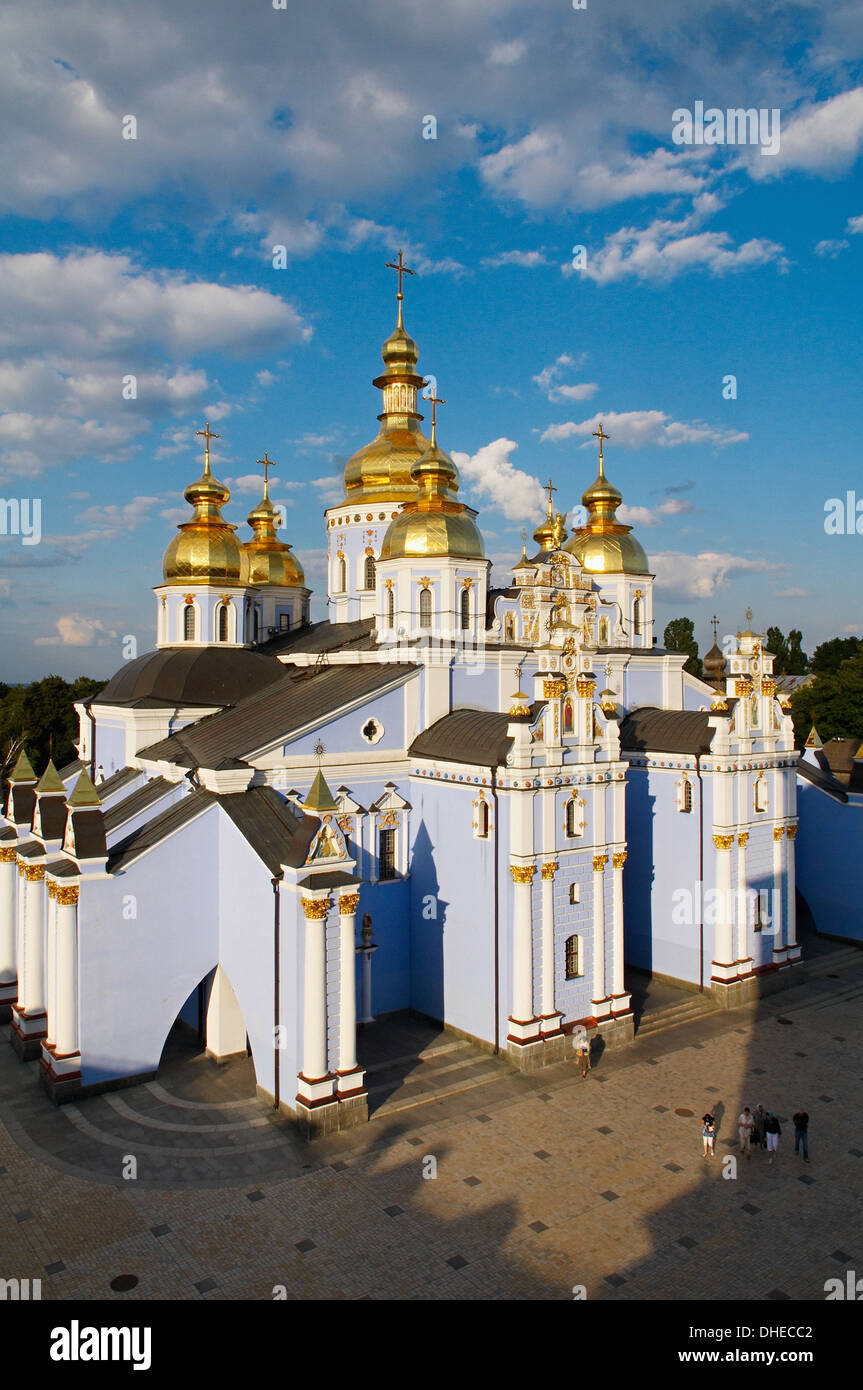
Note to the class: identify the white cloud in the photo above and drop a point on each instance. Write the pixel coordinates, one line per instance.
(526, 259)
(545, 168)
(792, 593)
(823, 137)
(74, 630)
(645, 516)
(855, 225)
(665, 249)
(547, 381)
(265, 378)
(699, 576)
(505, 54)
(830, 248)
(637, 429)
(491, 476)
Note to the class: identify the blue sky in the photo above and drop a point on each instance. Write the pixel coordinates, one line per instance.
(304, 127)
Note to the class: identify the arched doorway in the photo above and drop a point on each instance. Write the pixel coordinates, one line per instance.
(207, 1048)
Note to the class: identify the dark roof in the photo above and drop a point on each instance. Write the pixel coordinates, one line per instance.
(62, 868)
(70, 769)
(466, 736)
(276, 832)
(303, 695)
(158, 829)
(321, 637)
(338, 878)
(837, 757)
(137, 801)
(666, 731)
(117, 781)
(31, 849)
(823, 779)
(8, 833)
(190, 676)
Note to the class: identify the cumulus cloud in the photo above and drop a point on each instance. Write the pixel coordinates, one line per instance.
(665, 249)
(792, 593)
(823, 137)
(699, 576)
(637, 429)
(546, 168)
(547, 381)
(830, 248)
(647, 516)
(526, 259)
(74, 630)
(490, 476)
(855, 225)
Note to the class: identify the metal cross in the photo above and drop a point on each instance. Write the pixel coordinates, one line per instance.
(715, 622)
(207, 434)
(266, 463)
(401, 269)
(600, 435)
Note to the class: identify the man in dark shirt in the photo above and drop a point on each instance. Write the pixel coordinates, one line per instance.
(801, 1133)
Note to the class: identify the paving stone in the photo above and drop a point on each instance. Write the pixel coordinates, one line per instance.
(206, 1285)
(609, 1195)
(56, 1268)
(538, 1226)
(472, 1182)
(673, 1167)
(304, 1246)
(458, 1262)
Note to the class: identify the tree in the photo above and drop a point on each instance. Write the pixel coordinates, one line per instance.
(796, 662)
(42, 717)
(833, 701)
(679, 636)
(828, 656)
(778, 645)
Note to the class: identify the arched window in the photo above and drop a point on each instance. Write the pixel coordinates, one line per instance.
(425, 608)
(465, 609)
(189, 622)
(509, 628)
(391, 609)
(567, 716)
(573, 958)
(223, 622)
(574, 817)
(603, 632)
(341, 575)
(370, 571)
(636, 617)
(482, 820)
(686, 795)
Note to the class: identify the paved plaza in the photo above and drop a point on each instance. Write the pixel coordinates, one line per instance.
(543, 1182)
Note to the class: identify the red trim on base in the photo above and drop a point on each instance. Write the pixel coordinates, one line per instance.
(315, 1104)
(349, 1095)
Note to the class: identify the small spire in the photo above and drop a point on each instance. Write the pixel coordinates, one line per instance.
(435, 402)
(266, 463)
(715, 621)
(524, 542)
(600, 435)
(50, 780)
(814, 739)
(550, 509)
(207, 434)
(320, 799)
(23, 769)
(401, 270)
(84, 794)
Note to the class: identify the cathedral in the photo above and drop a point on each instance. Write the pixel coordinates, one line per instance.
(471, 802)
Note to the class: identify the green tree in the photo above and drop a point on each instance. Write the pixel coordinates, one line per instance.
(42, 717)
(828, 656)
(833, 701)
(777, 644)
(797, 662)
(679, 636)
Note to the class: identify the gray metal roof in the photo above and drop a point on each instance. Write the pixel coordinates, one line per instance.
(137, 801)
(117, 781)
(158, 829)
(650, 730)
(466, 736)
(189, 676)
(321, 637)
(303, 695)
(277, 833)
(822, 779)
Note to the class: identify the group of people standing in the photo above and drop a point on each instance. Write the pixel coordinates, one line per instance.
(761, 1128)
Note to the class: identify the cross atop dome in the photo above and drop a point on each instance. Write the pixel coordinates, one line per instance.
(401, 269)
(600, 435)
(207, 434)
(266, 463)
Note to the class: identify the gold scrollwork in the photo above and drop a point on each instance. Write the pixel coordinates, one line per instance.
(599, 862)
(34, 873)
(67, 894)
(791, 831)
(348, 903)
(552, 690)
(316, 908)
(8, 856)
(743, 837)
(522, 873)
(778, 832)
(723, 841)
(549, 870)
(618, 859)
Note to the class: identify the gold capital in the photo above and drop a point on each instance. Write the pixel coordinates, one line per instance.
(778, 832)
(723, 841)
(743, 837)
(34, 873)
(618, 859)
(599, 862)
(348, 903)
(316, 908)
(66, 894)
(522, 873)
(549, 870)
(553, 689)
(8, 856)
(791, 831)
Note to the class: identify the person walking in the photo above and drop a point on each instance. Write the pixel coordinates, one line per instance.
(801, 1133)
(759, 1118)
(708, 1134)
(745, 1126)
(773, 1131)
(583, 1053)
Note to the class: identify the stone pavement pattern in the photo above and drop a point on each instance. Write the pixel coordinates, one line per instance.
(543, 1182)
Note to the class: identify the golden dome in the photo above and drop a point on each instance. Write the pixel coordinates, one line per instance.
(552, 533)
(381, 470)
(604, 545)
(270, 561)
(206, 551)
(435, 522)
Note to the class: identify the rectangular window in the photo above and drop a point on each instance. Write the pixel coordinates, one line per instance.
(574, 895)
(387, 854)
(572, 958)
(284, 622)
(757, 921)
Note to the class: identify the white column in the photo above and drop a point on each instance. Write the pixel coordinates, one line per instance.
(778, 923)
(32, 991)
(523, 1026)
(791, 912)
(315, 990)
(350, 1076)
(550, 1016)
(66, 1031)
(600, 994)
(617, 986)
(723, 962)
(51, 964)
(741, 950)
(8, 925)
(367, 952)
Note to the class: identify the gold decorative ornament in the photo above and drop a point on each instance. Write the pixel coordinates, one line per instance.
(719, 703)
(768, 685)
(348, 904)
(584, 687)
(316, 908)
(791, 831)
(52, 888)
(34, 873)
(8, 856)
(742, 685)
(552, 690)
(778, 832)
(522, 873)
(618, 859)
(549, 870)
(67, 894)
(599, 862)
(723, 841)
(742, 838)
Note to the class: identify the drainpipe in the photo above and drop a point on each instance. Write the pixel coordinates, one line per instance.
(276, 972)
(495, 804)
(700, 874)
(92, 720)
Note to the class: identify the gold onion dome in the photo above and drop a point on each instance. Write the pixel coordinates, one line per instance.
(270, 561)
(206, 550)
(604, 545)
(551, 534)
(381, 470)
(435, 522)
